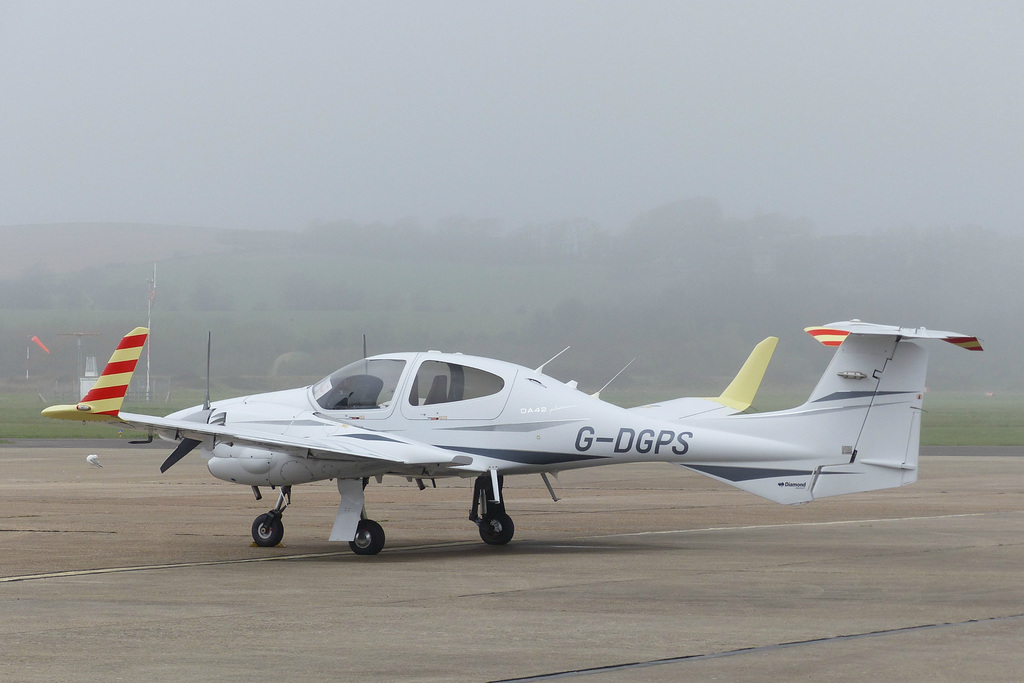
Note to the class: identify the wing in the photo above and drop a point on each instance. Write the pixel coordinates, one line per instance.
(348, 443)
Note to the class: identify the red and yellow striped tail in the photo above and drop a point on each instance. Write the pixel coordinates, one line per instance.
(103, 401)
(826, 336)
(835, 334)
(969, 343)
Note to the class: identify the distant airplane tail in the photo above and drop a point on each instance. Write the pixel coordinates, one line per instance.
(858, 431)
(103, 401)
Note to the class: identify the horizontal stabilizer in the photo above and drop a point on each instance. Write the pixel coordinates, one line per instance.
(833, 334)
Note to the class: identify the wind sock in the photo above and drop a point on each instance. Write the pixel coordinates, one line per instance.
(40, 344)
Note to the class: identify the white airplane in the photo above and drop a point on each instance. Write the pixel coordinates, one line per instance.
(429, 415)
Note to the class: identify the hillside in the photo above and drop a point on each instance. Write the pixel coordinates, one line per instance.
(73, 247)
(684, 288)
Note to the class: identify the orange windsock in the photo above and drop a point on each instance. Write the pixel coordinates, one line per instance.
(40, 344)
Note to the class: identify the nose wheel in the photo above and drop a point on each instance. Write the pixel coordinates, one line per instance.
(268, 529)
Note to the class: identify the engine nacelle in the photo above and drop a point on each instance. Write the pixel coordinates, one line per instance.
(261, 467)
(258, 466)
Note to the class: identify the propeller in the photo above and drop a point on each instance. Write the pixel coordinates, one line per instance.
(188, 445)
(184, 448)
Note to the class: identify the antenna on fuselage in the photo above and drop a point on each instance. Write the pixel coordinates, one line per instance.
(209, 345)
(541, 368)
(597, 394)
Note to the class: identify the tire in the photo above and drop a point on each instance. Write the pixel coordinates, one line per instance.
(497, 529)
(369, 538)
(267, 530)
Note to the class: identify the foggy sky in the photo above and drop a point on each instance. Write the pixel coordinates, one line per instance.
(857, 116)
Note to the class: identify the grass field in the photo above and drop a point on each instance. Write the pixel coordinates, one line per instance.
(20, 419)
(973, 420)
(950, 419)
(954, 418)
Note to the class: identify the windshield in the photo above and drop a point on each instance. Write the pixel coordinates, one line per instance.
(365, 384)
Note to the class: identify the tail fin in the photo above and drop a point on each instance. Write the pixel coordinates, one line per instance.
(859, 430)
(103, 401)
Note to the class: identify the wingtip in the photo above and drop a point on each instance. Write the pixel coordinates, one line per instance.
(79, 413)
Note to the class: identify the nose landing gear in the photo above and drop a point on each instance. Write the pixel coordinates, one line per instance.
(268, 529)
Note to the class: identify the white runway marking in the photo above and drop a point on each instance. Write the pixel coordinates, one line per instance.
(211, 563)
(346, 553)
(783, 526)
(174, 565)
(756, 650)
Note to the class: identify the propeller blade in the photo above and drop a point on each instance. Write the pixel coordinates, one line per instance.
(184, 448)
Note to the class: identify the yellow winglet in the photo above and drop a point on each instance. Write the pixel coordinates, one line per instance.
(741, 391)
(103, 401)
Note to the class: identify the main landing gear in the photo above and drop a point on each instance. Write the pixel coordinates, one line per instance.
(364, 536)
(496, 527)
(367, 536)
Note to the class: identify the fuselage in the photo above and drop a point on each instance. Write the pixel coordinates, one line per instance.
(498, 414)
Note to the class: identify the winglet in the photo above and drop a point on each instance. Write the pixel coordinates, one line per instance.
(741, 391)
(834, 334)
(103, 401)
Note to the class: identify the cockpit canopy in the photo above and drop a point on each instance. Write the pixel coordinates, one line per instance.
(441, 382)
(373, 382)
(362, 385)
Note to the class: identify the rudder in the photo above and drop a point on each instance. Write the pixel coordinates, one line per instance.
(885, 452)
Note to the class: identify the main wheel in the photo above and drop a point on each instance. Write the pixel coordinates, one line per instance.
(497, 529)
(268, 530)
(369, 538)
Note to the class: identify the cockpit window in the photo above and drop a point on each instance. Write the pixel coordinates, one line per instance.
(363, 385)
(440, 382)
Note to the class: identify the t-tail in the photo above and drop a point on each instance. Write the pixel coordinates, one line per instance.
(103, 401)
(858, 431)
